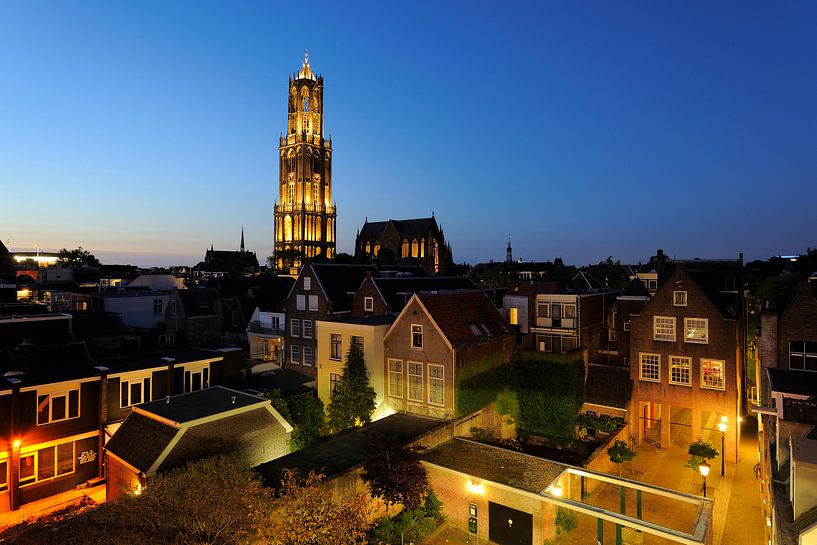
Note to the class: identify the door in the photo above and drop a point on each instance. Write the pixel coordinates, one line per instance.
(507, 526)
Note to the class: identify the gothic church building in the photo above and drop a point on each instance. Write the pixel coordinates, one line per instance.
(304, 213)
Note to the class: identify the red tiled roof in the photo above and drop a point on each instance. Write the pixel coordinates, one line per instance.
(465, 317)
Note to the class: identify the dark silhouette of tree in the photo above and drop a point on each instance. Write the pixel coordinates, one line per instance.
(307, 420)
(394, 474)
(352, 403)
(77, 258)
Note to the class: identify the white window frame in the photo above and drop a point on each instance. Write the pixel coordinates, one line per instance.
(657, 363)
(307, 325)
(292, 357)
(52, 393)
(627, 326)
(722, 386)
(411, 340)
(679, 363)
(307, 283)
(313, 303)
(368, 304)
(309, 361)
(679, 298)
(395, 371)
(204, 369)
(133, 380)
(415, 376)
(688, 339)
(294, 327)
(300, 301)
(664, 337)
(36, 454)
(440, 379)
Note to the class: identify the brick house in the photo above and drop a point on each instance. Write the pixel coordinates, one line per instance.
(321, 292)
(615, 349)
(383, 295)
(687, 347)
(434, 338)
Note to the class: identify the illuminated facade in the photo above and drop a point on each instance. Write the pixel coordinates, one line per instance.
(304, 213)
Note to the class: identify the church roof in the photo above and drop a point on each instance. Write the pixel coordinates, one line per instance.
(416, 226)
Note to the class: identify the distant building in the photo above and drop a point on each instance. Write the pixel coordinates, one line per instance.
(616, 349)
(220, 263)
(305, 213)
(419, 241)
(385, 295)
(194, 317)
(138, 308)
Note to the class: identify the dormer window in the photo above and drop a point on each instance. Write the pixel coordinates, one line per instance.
(679, 298)
(416, 337)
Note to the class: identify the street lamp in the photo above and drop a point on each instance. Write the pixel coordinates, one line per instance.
(722, 427)
(704, 468)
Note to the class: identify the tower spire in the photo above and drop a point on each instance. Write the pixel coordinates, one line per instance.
(509, 254)
(242, 239)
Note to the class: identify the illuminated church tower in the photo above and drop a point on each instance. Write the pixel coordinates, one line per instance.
(304, 213)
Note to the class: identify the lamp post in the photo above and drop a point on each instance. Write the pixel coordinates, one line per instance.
(722, 427)
(704, 468)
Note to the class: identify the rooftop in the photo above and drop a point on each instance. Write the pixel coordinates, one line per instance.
(608, 386)
(465, 317)
(792, 381)
(339, 453)
(495, 464)
(367, 320)
(200, 404)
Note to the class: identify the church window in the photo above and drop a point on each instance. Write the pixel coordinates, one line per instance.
(368, 249)
(422, 247)
(415, 249)
(376, 249)
(436, 257)
(306, 103)
(318, 231)
(405, 249)
(288, 228)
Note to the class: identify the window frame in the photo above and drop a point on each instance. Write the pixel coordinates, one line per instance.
(722, 386)
(441, 380)
(673, 365)
(310, 300)
(416, 332)
(679, 298)
(308, 356)
(300, 301)
(35, 454)
(335, 346)
(368, 304)
(292, 358)
(307, 283)
(689, 340)
(411, 376)
(657, 336)
(295, 328)
(641, 376)
(130, 382)
(396, 374)
(334, 381)
(307, 324)
(51, 394)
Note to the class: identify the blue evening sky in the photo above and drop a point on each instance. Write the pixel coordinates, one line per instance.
(145, 131)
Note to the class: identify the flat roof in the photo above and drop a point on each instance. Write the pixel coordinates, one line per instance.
(339, 453)
(200, 404)
(495, 464)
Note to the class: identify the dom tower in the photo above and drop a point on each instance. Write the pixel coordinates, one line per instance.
(304, 213)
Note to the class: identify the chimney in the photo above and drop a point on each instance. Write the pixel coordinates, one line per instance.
(167, 400)
(233, 400)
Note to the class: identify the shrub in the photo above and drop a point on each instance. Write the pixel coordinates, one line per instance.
(700, 451)
(483, 435)
(412, 525)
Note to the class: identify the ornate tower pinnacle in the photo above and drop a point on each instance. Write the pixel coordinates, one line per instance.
(305, 213)
(509, 252)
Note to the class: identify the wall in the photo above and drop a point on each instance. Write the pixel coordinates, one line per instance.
(324, 312)
(797, 323)
(138, 311)
(368, 289)
(120, 479)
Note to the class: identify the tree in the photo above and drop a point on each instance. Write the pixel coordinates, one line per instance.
(699, 452)
(352, 404)
(621, 452)
(77, 258)
(306, 513)
(307, 420)
(394, 474)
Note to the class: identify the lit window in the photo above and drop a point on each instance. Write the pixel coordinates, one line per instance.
(295, 354)
(307, 356)
(54, 407)
(368, 304)
(679, 298)
(680, 370)
(415, 381)
(134, 391)
(313, 302)
(545, 343)
(416, 336)
(664, 328)
(436, 384)
(300, 302)
(335, 346)
(4, 475)
(803, 355)
(295, 327)
(47, 463)
(650, 369)
(395, 378)
(712, 374)
(513, 316)
(307, 329)
(696, 330)
(307, 283)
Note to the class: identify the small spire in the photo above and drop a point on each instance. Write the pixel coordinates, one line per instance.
(242, 238)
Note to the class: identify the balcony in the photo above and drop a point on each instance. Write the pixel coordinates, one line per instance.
(264, 329)
(556, 323)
